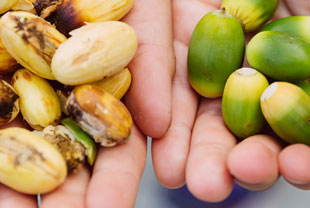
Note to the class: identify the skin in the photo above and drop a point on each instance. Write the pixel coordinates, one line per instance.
(195, 146)
(198, 150)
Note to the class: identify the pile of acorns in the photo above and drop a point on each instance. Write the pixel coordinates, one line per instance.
(66, 61)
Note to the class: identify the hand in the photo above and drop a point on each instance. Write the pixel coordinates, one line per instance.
(115, 177)
(116, 174)
(199, 150)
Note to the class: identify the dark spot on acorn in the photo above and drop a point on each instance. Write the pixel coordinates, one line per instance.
(26, 75)
(41, 5)
(7, 100)
(67, 18)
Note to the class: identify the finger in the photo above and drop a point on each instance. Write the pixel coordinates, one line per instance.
(298, 7)
(117, 173)
(282, 11)
(71, 194)
(207, 175)
(149, 97)
(294, 164)
(170, 153)
(253, 162)
(187, 14)
(11, 198)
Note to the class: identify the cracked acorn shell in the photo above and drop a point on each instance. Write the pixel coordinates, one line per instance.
(45, 8)
(9, 103)
(72, 151)
(29, 164)
(31, 40)
(39, 103)
(95, 51)
(72, 14)
(100, 115)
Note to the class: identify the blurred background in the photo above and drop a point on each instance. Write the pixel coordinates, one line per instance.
(153, 195)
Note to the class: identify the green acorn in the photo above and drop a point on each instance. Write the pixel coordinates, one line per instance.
(286, 108)
(216, 50)
(251, 13)
(280, 56)
(298, 26)
(305, 85)
(241, 102)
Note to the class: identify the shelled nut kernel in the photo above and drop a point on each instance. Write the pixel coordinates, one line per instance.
(31, 40)
(29, 164)
(39, 102)
(117, 84)
(72, 14)
(99, 114)
(94, 51)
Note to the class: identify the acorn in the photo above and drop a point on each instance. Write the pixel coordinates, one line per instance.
(72, 14)
(241, 102)
(251, 13)
(101, 115)
(39, 102)
(31, 41)
(286, 108)
(9, 103)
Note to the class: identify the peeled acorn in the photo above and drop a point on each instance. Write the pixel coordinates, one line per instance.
(7, 62)
(29, 164)
(100, 115)
(9, 103)
(39, 102)
(117, 84)
(43, 8)
(72, 14)
(31, 40)
(94, 52)
(6, 5)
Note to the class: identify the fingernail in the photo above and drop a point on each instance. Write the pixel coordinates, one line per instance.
(300, 183)
(253, 186)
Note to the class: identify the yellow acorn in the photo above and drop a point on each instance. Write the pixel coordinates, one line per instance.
(72, 14)
(117, 84)
(39, 102)
(29, 164)
(99, 114)
(31, 40)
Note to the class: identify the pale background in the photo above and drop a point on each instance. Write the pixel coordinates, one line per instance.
(153, 195)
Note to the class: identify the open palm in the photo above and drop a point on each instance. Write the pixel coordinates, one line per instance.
(198, 149)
